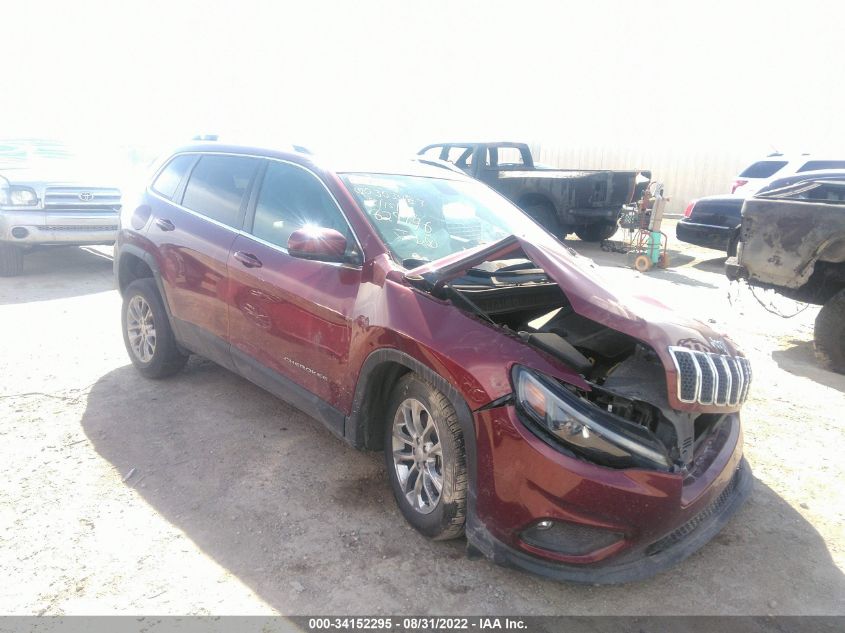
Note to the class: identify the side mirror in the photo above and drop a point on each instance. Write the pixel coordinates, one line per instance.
(320, 243)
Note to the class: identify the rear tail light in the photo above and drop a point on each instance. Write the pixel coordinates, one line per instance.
(688, 210)
(737, 184)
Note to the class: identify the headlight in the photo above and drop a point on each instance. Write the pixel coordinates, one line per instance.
(584, 428)
(18, 196)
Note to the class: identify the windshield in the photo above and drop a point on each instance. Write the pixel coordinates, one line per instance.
(18, 152)
(422, 219)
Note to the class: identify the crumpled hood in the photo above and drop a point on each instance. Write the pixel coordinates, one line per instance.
(640, 316)
(591, 296)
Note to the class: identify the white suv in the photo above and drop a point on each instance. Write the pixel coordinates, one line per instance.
(759, 174)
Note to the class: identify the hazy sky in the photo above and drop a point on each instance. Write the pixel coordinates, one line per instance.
(400, 74)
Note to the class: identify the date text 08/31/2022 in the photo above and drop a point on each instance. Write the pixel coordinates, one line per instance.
(416, 623)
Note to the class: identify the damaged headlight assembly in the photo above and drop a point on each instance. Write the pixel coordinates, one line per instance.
(583, 428)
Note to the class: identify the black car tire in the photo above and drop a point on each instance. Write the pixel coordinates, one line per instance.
(446, 520)
(11, 260)
(544, 214)
(829, 335)
(166, 359)
(596, 232)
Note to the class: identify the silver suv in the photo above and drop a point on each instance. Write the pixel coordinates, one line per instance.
(47, 198)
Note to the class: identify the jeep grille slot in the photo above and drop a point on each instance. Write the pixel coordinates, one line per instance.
(708, 378)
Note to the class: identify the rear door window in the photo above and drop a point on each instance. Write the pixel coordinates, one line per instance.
(218, 185)
(763, 169)
(812, 165)
(170, 178)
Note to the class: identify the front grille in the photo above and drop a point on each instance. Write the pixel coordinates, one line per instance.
(679, 534)
(711, 378)
(76, 227)
(82, 199)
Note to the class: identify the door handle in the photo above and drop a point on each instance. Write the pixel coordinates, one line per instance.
(165, 225)
(248, 259)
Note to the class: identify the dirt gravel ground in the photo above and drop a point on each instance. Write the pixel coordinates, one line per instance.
(203, 494)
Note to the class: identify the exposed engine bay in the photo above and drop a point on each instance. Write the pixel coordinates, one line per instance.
(626, 377)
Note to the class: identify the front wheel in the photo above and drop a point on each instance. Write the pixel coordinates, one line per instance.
(829, 334)
(11, 260)
(596, 232)
(424, 455)
(147, 333)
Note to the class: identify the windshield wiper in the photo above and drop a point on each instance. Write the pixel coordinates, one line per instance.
(454, 293)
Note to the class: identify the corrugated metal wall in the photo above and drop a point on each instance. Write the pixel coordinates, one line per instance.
(685, 173)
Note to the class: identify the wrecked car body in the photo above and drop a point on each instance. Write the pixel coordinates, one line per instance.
(565, 428)
(792, 240)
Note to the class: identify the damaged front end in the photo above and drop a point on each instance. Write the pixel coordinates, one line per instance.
(654, 391)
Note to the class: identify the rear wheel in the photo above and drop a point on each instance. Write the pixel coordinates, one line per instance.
(596, 232)
(544, 213)
(11, 260)
(147, 333)
(424, 455)
(829, 335)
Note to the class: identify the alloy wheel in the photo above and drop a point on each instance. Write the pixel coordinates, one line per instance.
(140, 326)
(417, 456)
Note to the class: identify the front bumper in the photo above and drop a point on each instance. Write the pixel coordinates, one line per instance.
(659, 518)
(29, 228)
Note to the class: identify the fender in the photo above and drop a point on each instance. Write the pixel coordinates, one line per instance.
(148, 258)
(359, 424)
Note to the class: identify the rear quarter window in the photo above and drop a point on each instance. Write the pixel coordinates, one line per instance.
(763, 169)
(170, 178)
(813, 165)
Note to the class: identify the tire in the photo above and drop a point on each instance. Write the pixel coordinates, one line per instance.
(11, 260)
(416, 405)
(829, 335)
(642, 263)
(151, 344)
(596, 232)
(544, 214)
(733, 243)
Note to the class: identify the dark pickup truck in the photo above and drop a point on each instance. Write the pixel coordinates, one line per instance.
(584, 202)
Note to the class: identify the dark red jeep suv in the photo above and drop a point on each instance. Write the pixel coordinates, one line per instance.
(565, 428)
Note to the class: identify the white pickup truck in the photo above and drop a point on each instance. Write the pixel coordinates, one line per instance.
(45, 200)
